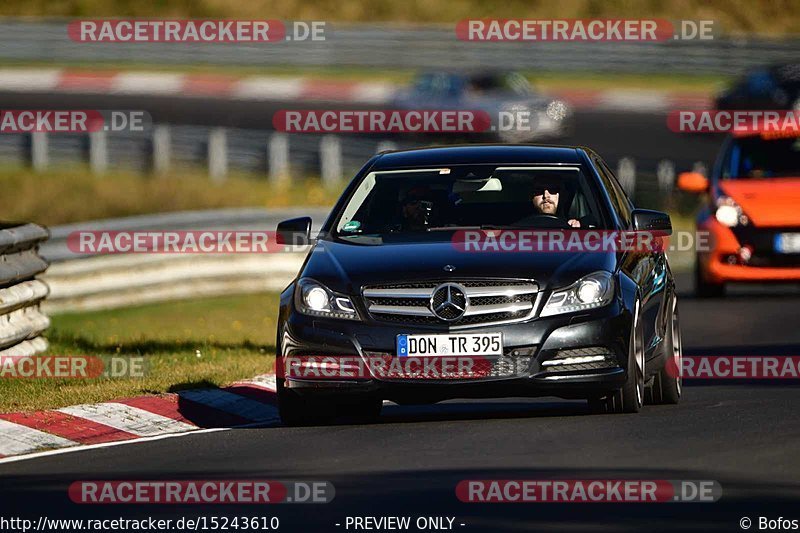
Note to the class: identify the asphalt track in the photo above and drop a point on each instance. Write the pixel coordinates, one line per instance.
(742, 434)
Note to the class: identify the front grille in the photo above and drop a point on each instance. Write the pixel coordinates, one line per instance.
(763, 243)
(475, 302)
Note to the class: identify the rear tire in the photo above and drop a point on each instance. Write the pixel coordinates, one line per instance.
(668, 384)
(630, 398)
(703, 288)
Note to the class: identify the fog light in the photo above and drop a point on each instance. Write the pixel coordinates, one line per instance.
(745, 253)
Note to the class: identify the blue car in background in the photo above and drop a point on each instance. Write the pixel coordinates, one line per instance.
(518, 112)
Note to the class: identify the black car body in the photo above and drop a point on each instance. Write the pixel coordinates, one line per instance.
(614, 353)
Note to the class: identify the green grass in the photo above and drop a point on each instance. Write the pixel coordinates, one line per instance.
(234, 336)
(545, 80)
(734, 16)
(73, 194)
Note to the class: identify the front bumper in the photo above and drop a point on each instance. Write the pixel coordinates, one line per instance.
(542, 357)
(721, 263)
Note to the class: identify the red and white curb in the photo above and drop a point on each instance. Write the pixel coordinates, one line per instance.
(189, 85)
(299, 89)
(240, 404)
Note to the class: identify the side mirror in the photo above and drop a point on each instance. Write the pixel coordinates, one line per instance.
(648, 220)
(295, 231)
(692, 182)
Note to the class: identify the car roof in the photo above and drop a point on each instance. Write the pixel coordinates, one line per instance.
(468, 73)
(766, 134)
(478, 154)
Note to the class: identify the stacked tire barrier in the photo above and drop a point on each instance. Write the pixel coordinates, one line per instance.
(21, 319)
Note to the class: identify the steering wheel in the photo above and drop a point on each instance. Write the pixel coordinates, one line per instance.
(545, 221)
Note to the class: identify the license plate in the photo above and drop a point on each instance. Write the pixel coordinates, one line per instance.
(787, 243)
(457, 345)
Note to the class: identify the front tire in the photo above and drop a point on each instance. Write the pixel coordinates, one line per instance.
(630, 398)
(296, 410)
(299, 410)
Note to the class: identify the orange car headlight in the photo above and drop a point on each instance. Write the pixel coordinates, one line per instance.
(729, 213)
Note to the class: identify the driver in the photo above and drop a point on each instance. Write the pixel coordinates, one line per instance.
(416, 209)
(545, 197)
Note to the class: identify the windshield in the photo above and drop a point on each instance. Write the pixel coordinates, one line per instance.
(513, 82)
(755, 157)
(426, 201)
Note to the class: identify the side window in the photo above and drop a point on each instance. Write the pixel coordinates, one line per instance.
(618, 197)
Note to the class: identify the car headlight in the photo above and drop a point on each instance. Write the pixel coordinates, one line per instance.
(594, 290)
(313, 298)
(729, 213)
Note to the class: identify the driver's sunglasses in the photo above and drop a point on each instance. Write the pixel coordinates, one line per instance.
(552, 189)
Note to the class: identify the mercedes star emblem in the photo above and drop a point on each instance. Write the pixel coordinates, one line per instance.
(449, 301)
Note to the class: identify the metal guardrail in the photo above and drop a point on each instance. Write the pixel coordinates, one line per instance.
(21, 320)
(258, 153)
(218, 150)
(387, 46)
(81, 283)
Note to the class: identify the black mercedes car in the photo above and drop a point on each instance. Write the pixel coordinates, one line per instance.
(393, 277)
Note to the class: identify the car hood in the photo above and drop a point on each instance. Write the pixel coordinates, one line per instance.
(347, 267)
(767, 202)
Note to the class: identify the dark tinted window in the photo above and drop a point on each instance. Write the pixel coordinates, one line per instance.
(622, 205)
(754, 157)
(387, 203)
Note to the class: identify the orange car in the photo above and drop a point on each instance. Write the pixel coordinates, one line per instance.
(752, 212)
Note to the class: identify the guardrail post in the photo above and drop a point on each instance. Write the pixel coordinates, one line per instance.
(330, 152)
(665, 172)
(626, 173)
(162, 146)
(217, 154)
(39, 150)
(700, 168)
(278, 157)
(98, 151)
